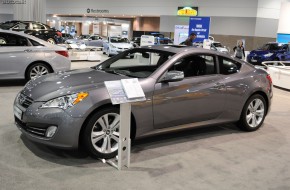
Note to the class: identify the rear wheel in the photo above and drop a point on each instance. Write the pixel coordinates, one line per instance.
(101, 134)
(37, 70)
(253, 113)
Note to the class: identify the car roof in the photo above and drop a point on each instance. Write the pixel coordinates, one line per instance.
(24, 21)
(28, 36)
(180, 48)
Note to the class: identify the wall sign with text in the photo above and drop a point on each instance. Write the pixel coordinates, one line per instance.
(187, 11)
(200, 26)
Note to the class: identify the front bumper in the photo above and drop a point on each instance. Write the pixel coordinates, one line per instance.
(115, 51)
(33, 123)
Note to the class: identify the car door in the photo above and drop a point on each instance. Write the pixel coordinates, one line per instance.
(15, 55)
(198, 97)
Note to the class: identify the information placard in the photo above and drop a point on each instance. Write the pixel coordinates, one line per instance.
(119, 95)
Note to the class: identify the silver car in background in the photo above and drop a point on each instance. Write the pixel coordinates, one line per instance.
(24, 56)
(184, 87)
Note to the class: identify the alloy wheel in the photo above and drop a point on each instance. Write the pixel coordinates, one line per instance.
(38, 71)
(255, 113)
(105, 133)
(2, 41)
(50, 40)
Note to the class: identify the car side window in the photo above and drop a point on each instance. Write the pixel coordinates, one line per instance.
(35, 43)
(7, 39)
(38, 27)
(22, 26)
(196, 65)
(228, 66)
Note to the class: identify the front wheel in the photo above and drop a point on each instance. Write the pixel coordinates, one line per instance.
(253, 113)
(37, 70)
(101, 134)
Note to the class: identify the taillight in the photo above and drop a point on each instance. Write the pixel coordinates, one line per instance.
(269, 79)
(63, 53)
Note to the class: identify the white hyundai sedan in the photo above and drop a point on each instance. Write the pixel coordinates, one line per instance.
(24, 57)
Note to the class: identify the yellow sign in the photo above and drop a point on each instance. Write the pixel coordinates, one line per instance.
(187, 11)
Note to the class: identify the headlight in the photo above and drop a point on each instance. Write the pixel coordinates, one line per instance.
(268, 55)
(65, 102)
(112, 46)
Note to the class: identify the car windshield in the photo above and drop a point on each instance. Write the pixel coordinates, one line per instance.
(119, 40)
(217, 45)
(137, 63)
(84, 36)
(270, 47)
(7, 25)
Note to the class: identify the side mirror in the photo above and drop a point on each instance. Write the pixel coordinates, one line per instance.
(173, 76)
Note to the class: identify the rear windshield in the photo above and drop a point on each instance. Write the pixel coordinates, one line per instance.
(7, 25)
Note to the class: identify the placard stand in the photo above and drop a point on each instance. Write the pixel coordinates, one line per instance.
(118, 96)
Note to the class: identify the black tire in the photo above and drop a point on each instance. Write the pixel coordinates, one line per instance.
(35, 66)
(243, 124)
(93, 125)
(104, 52)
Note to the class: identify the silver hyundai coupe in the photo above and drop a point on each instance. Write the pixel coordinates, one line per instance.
(184, 87)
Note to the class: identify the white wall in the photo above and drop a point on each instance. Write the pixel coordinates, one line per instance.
(284, 22)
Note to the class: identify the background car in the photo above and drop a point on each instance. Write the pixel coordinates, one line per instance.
(268, 52)
(136, 41)
(115, 45)
(184, 87)
(161, 39)
(285, 56)
(219, 47)
(66, 36)
(25, 57)
(93, 40)
(36, 29)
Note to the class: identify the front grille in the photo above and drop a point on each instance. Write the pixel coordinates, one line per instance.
(24, 100)
(37, 131)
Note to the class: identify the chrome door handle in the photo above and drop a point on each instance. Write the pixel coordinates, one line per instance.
(28, 50)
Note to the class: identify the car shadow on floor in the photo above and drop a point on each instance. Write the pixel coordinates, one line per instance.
(169, 143)
(19, 82)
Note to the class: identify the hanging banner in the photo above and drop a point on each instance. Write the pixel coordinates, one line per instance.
(200, 26)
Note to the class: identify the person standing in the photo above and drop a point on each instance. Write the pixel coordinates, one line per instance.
(239, 50)
(188, 41)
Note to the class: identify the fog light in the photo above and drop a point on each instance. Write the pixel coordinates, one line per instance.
(50, 131)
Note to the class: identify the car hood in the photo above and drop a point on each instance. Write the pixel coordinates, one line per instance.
(122, 45)
(59, 84)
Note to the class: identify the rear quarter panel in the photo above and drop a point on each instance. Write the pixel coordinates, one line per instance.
(240, 87)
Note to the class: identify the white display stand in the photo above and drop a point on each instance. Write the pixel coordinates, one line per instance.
(124, 92)
(83, 52)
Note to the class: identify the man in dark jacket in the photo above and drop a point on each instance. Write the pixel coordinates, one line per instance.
(188, 41)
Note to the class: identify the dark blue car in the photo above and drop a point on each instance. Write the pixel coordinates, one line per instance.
(284, 56)
(268, 52)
